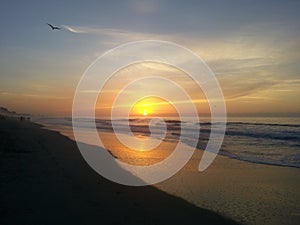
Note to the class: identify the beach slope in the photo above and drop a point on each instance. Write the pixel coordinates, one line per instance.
(44, 180)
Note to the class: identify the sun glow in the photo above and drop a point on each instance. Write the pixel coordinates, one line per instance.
(151, 106)
(145, 112)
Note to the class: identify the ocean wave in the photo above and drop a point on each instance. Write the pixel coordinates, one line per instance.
(275, 142)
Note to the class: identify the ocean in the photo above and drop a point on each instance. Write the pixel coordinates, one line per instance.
(266, 140)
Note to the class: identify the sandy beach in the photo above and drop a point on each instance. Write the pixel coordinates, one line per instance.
(44, 180)
(249, 193)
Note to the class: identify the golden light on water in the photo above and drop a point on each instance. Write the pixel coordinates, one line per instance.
(147, 108)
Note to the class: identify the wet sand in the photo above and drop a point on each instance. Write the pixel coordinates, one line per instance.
(44, 180)
(247, 192)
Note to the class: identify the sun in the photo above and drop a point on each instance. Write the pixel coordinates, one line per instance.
(145, 112)
(151, 106)
(143, 107)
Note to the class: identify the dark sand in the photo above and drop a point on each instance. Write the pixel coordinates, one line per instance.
(44, 180)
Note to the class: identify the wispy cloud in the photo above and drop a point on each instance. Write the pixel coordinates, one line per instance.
(93, 30)
(74, 30)
(96, 30)
(119, 34)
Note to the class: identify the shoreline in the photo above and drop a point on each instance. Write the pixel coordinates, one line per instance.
(268, 194)
(46, 181)
(221, 153)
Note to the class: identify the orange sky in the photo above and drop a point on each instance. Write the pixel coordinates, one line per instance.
(153, 105)
(252, 48)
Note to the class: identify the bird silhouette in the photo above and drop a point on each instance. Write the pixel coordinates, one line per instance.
(53, 27)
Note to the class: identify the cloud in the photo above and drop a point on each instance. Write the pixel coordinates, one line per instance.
(111, 36)
(251, 65)
(103, 31)
(75, 30)
(93, 30)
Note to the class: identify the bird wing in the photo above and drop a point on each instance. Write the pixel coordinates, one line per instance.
(50, 25)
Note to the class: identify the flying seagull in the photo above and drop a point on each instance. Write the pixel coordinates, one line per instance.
(53, 27)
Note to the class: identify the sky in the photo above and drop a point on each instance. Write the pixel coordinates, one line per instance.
(253, 48)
